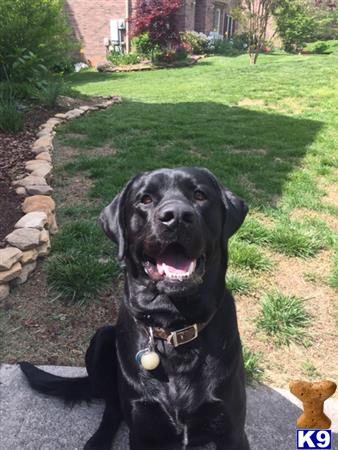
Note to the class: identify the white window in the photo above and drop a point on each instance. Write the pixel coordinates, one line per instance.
(217, 21)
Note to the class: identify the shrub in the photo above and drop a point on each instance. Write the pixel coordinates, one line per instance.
(223, 47)
(158, 19)
(35, 31)
(198, 42)
(241, 41)
(121, 59)
(322, 47)
(11, 118)
(169, 56)
(143, 45)
(295, 23)
(47, 92)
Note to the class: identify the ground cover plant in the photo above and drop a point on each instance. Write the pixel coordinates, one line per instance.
(268, 133)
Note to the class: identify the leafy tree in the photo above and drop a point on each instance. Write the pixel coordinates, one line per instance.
(158, 19)
(32, 30)
(254, 16)
(295, 22)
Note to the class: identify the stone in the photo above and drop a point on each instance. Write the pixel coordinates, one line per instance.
(85, 108)
(27, 269)
(53, 227)
(35, 164)
(44, 237)
(45, 204)
(8, 257)
(29, 256)
(43, 250)
(34, 219)
(74, 113)
(43, 171)
(4, 291)
(39, 190)
(53, 122)
(30, 180)
(38, 203)
(10, 274)
(44, 156)
(24, 238)
(43, 144)
(60, 116)
(45, 132)
(106, 67)
(39, 168)
(21, 191)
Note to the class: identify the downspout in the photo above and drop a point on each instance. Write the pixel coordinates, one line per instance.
(127, 26)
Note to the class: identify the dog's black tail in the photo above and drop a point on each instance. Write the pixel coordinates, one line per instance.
(71, 390)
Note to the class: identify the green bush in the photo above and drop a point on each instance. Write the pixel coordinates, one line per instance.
(121, 59)
(322, 47)
(223, 47)
(144, 46)
(32, 32)
(295, 23)
(11, 118)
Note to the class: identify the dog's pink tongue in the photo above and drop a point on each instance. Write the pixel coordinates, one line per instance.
(175, 263)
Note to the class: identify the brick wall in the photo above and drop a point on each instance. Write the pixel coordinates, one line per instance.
(90, 21)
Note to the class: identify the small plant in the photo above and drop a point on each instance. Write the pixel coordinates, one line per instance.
(11, 118)
(247, 256)
(253, 371)
(237, 283)
(78, 277)
(254, 232)
(48, 92)
(310, 370)
(283, 318)
(294, 239)
(333, 279)
(121, 59)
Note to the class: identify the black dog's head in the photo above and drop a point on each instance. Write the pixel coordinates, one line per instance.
(172, 227)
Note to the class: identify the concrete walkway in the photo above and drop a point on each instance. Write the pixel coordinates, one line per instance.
(30, 421)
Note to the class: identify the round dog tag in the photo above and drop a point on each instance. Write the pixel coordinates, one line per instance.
(148, 359)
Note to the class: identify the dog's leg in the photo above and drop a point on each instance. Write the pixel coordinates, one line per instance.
(103, 437)
(240, 444)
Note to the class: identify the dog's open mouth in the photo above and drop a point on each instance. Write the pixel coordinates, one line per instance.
(172, 265)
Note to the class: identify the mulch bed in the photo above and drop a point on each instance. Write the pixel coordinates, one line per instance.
(14, 152)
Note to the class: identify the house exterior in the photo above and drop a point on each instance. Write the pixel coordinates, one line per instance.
(103, 23)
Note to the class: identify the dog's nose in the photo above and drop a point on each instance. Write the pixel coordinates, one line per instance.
(174, 213)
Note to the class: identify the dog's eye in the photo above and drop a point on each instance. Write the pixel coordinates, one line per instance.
(200, 196)
(146, 199)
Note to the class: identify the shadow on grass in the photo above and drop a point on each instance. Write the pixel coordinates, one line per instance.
(252, 152)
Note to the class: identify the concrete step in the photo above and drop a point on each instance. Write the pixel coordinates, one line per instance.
(31, 421)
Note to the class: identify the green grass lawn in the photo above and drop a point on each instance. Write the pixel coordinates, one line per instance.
(269, 132)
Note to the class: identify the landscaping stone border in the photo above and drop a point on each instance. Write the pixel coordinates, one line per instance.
(30, 238)
(109, 67)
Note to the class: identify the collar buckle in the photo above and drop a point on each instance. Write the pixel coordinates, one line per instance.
(183, 336)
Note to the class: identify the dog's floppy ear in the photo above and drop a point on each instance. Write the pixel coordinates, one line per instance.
(236, 210)
(112, 219)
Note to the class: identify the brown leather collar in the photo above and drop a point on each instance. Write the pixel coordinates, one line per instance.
(183, 335)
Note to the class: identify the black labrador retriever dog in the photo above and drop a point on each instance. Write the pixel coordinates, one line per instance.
(172, 368)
